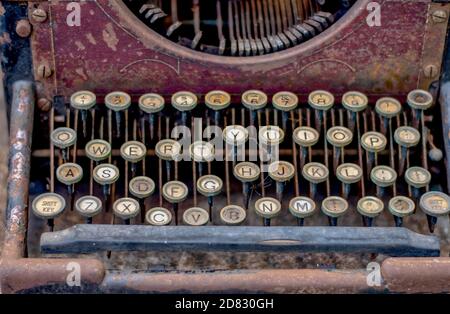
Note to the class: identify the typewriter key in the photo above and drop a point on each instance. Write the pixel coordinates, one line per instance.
(175, 191)
(355, 101)
(306, 136)
(370, 207)
(315, 172)
(158, 216)
(88, 206)
(254, 100)
(285, 101)
(83, 100)
(48, 205)
(217, 100)
(151, 104)
(141, 187)
(302, 207)
(434, 204)
(195, 216)
(232, 215)
(420, 99)
(63, 137)
(271, 135)
(126, 208)
(168, 149)
(383, 176)
(373, 142)
(388, 107)
(69, 173)
(98, 150)
(417, 177)
(268, 208)
(334, 207)
(321, 100)
(349, 173)
(201, 151)
(184, 101)
(407, 136)
(339, 136)
(281, 172)
(117, 102)
(133, 151)
(235, 135)
(246, 171)
(209, 185)
(106, 174)
(401, 206)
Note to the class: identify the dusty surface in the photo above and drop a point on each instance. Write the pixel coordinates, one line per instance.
(3, 162)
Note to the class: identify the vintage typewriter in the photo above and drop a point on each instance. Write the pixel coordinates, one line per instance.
(226, 146)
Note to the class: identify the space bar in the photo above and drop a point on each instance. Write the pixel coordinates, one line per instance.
(92, 238)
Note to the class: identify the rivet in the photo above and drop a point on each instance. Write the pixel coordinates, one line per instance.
(39, 15)
(23, 28)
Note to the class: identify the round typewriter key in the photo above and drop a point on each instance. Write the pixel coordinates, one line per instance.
(401, 206)
(209, 185)
(306, 136)
(435, 204)
(334, 207)
(267, 207)
(407, 136)
(246, 171)
(254, 99)
(302, 207)
(355, 101)
(321, 100)
(118, 101)
(233, 215)
(417, 177)
(388, 107)
(339, 136)
(271, 135)
(175, 191)
(373, 142)
(217, 100)
(168, 149)
(83, 100)
(383, 176)
(184, 101)
(126, 208)
(281, 171)
(349, 173)
(420, 99)
(285, 101)
(88, 206)
(105, 174)
(235, 135)
(151, 103)
(158, 216)
(48, 205)
(370, 206)
(69, 173)
(201, 151)
(315, 172)
(133, 151)
(98, 150)
(63, 137)
(195, 216)
(141, 187)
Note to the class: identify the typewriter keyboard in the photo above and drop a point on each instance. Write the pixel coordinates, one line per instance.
(276, 162)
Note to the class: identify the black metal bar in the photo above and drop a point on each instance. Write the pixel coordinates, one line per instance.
(92, 238)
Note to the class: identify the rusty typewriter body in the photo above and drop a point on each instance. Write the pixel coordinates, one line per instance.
(116, 170)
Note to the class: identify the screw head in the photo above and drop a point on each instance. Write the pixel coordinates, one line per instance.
(39, 15)
(430, 71)
(44, 71)
(23, 28)
(44, 104)
(439, 16)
